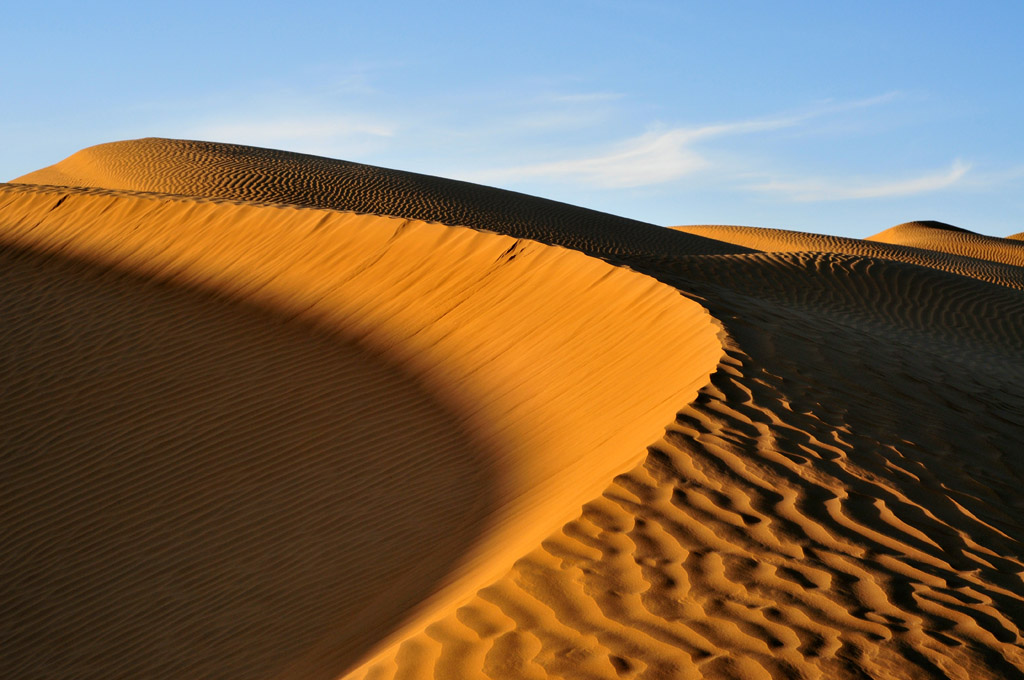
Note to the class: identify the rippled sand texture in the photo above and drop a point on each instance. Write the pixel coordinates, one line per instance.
(278, 416)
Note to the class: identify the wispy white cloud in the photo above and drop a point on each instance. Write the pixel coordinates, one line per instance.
(651, 158)
(808, 190)
(657, 157)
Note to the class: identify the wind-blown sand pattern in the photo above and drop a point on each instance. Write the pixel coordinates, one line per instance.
(263, 175)
(922, 252)
(276, 416)
(946, 238)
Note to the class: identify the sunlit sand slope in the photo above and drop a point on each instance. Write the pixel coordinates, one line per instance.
(840, 502)
(255, 440)
(836, 495)
(946, 238)
(248, 173)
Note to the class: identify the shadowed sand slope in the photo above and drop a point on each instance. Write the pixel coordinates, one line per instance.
(247, 173)
(185, 479)
(503, 335)
(946, 238)
(836, 493)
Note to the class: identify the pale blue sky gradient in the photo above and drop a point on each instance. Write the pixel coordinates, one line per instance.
(841, 118)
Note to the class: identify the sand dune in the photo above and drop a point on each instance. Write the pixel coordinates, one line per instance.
(782, 241)
(250, 174)
(286, 417)
(946, 238)
(494, 328)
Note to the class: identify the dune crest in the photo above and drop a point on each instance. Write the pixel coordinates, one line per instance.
(503, 333)
(245, 173)
(425, 403)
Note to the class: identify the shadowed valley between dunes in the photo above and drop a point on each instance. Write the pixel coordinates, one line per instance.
(280, 416)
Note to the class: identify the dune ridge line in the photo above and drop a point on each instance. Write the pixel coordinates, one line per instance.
(503, 332)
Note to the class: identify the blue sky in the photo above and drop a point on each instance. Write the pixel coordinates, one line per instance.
(841, 118)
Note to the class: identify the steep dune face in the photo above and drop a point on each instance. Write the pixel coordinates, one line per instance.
(836, 493)
(503, 334)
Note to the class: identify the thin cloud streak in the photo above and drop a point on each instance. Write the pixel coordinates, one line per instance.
(811, 190)
(657, 157)
(651, 158)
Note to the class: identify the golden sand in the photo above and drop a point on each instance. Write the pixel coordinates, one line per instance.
(279, 416)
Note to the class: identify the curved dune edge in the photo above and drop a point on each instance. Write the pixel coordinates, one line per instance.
(975, 265)
(782, 529)
(245, 173)
(953, 240)
(840, 501)
(505, 333)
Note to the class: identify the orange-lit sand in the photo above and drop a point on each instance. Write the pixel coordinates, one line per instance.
(276, 416)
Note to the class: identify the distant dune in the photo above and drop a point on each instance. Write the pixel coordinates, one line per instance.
(945, 238)
(269, 415)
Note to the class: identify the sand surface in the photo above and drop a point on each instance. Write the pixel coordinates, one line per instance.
(268, 415)
(945, 238)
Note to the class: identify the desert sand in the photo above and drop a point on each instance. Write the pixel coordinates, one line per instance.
(268, 415)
